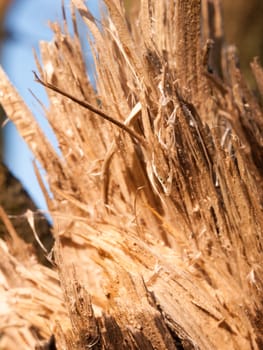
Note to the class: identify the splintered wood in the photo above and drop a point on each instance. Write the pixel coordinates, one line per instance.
(157, 195)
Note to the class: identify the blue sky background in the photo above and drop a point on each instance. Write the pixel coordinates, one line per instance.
(28, 22)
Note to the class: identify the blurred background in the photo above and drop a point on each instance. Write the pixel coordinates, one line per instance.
(243, 25)
(23, 23)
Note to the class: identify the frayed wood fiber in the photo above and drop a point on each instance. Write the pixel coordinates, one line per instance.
(156, 196)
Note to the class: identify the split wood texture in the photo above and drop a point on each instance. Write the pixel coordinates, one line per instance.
(157, 217)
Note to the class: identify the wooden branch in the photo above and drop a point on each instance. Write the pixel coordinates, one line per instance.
(91, 108)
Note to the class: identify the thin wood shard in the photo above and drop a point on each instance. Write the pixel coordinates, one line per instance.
(188, 43)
